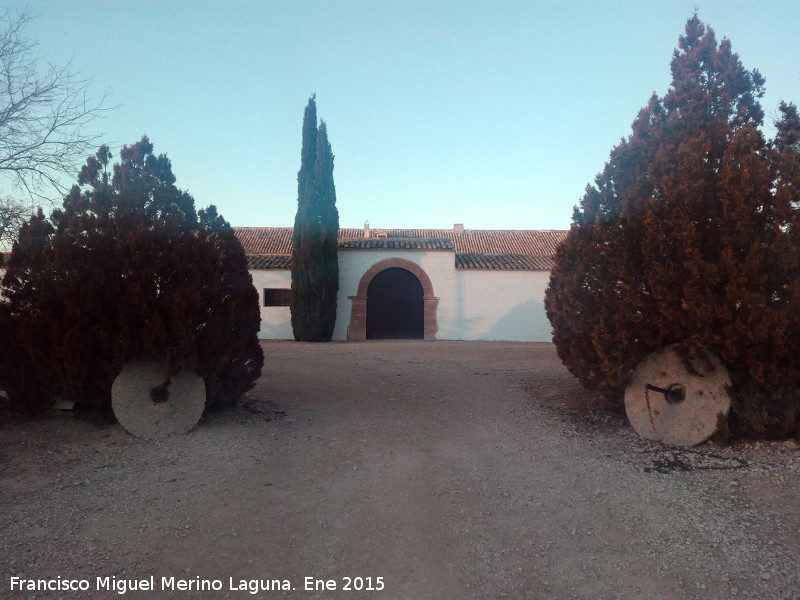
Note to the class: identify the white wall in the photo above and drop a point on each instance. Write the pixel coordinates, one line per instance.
(439, 265)
(473, 305)
(495, 305)
(276, 321)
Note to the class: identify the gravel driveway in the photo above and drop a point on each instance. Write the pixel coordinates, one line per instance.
(400, 470)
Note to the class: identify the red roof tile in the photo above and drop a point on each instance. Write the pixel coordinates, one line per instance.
(493, 241)
(503, 262)
(397, 244)
(265, 240)
(278, 240)
(484, 249)
(269, 262)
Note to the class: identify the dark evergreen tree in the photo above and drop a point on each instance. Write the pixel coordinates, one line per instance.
(229, 353)
(127, 270)
(690, 235)
(315, 266)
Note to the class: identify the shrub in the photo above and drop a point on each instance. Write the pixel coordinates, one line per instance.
(126, 269)
(690, 234)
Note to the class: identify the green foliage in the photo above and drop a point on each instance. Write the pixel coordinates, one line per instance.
(315, 266)
(126, 269)
(690, 234)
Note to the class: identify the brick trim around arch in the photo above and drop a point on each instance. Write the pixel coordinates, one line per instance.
(357, 329)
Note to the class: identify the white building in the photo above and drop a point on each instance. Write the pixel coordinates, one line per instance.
(441, 284)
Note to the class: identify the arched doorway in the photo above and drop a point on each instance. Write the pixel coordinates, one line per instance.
(395, 306)
(357, 327)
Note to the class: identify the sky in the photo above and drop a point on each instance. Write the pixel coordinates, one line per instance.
(496, 114)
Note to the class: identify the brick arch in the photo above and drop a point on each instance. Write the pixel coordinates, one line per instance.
(357, 329)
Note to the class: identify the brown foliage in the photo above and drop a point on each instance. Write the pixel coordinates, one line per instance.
(690, 234)
(126, 269)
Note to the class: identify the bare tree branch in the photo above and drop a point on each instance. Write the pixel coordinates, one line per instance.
(44, 109)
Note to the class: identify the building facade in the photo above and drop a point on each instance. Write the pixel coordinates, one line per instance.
(433, 284)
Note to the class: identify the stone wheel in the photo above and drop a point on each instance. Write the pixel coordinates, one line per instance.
(148, 409)
(676, 396)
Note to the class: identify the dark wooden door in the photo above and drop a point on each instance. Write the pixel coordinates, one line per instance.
(394, 306)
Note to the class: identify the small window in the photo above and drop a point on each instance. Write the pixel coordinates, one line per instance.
(277, 297)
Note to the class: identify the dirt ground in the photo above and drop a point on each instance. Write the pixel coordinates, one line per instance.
(395, 470)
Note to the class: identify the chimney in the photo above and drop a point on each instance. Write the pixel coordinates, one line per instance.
(458, 228)
(366, 229)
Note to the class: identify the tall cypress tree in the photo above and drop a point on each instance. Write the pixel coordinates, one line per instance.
(315, 266)
(690, 235)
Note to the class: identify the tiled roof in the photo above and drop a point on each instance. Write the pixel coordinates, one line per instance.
(492, 241)
(504, 262)
(278, 240)
(265, 240)
(497, 241)
(483, 249)
(269, 262)
(397, 244)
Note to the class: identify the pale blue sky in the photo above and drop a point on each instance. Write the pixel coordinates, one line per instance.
(495, 114)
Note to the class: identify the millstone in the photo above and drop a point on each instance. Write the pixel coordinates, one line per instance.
(676, 403)
(135, 409)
